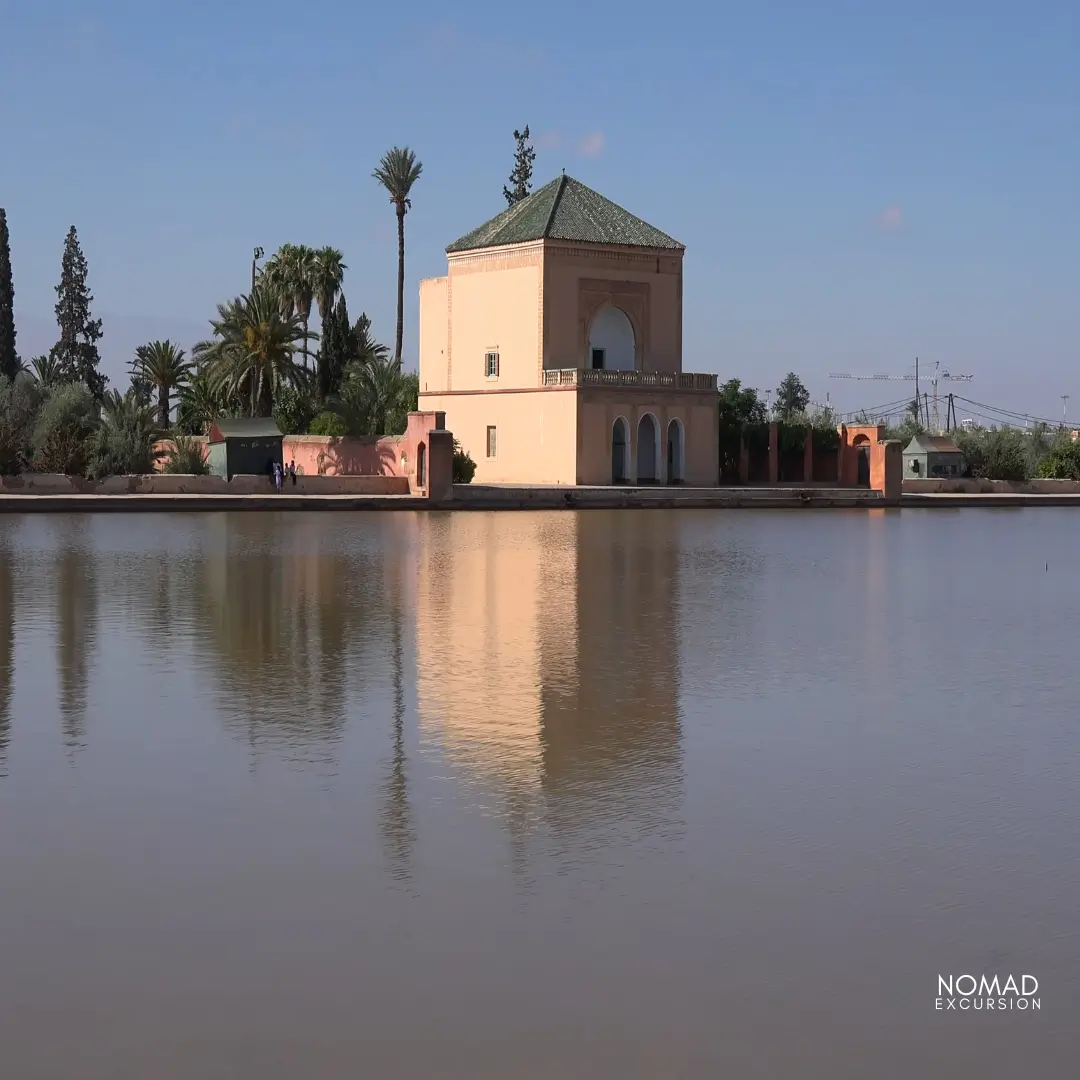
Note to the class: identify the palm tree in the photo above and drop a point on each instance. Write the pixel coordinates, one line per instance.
(367, 348)
(291, 274)
(252, 350)
(200, 404)
(374, 391)
(125, 440)
(397, 172)
(162, 365)
(327, 278)
(45, 370)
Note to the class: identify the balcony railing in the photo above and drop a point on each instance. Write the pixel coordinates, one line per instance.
(653, 380)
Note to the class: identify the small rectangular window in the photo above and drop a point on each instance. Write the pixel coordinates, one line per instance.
(491, 363)
(490, 442)
(598, 359)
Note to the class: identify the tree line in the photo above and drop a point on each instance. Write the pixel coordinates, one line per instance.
(262, 358)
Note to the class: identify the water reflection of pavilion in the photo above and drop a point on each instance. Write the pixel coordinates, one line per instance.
(547, 660)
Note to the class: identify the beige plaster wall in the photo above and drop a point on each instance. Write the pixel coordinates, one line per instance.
(434, 333)
(536, 433)
(698, 413)
(494, 302)
(574, 277)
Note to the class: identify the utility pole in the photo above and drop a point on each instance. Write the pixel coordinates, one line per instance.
(256, 255)
(1064, 410)
(917, 393)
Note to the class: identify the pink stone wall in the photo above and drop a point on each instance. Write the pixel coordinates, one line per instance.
(392, 455)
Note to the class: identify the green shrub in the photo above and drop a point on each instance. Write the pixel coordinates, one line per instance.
(187, 458)
(1062, 463)
(791, 437)
(328, 423)
(464, 466)
(826, 438)
(124, 443)
(996, 453)
(756, 437)
(294, 411)
(20, 400)
(61, 439)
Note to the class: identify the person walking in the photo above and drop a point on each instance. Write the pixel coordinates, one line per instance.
(277, 477)
(292, 472)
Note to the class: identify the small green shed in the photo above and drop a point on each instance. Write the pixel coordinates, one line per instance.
(244, 447)
(927, 457)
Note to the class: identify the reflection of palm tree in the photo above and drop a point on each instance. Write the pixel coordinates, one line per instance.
(76, 635)
(7, 652)
(282, 632)
(396, 818)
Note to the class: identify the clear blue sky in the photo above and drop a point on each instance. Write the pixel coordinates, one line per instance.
(856, 182)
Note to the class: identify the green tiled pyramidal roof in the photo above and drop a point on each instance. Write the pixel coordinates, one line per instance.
(565, 209)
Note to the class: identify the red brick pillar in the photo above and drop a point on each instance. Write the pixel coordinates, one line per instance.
(808, 457)
(774, 452)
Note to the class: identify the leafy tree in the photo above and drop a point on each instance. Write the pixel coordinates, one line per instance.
(124, 442)
(161, 365)
(740, 408)
(791, 397)
(64, 428)
(251, 353)
(996, 453)
(20, 400)
(1060, 463)
(398, 170)
(76, 353)
(294, 409)
(521, 174)
(292, 273)
(10, 365)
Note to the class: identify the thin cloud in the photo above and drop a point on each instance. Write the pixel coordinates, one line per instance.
(592, 145)
(891, 218)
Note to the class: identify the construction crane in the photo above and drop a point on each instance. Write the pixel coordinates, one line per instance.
(943, 376)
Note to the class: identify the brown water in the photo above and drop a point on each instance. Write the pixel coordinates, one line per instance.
(537, 795)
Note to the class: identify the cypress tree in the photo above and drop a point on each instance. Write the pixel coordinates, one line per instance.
(9, 358)
(521, 176)
(337, 349)
(76, 353)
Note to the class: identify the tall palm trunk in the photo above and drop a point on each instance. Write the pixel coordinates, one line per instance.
(163, 406)
(306, 317)
(400, 281)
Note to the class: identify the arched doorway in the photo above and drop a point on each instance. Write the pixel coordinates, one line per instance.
(421, 466)
(620, 451)
(648, 447)
(611, 340)
(861, 446)
(676, 453)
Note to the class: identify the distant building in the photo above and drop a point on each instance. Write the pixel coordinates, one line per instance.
(554, 347)
(927, 457)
